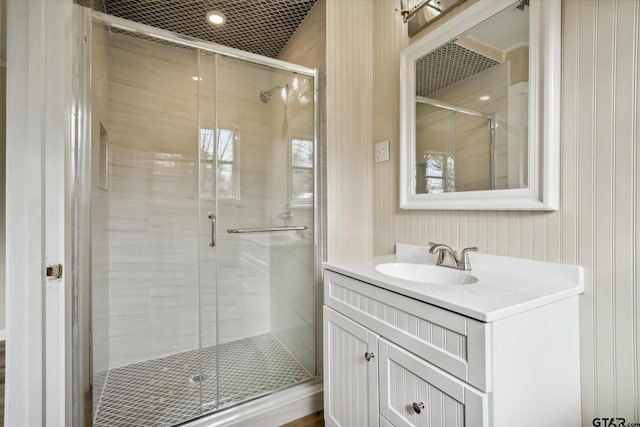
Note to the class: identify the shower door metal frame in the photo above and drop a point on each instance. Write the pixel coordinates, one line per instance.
(81, 380)
(157, 33)
(81, 323)
(492, 127)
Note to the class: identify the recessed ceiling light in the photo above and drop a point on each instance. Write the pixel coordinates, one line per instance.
(484, 98)
(216, 18)
(196, 78)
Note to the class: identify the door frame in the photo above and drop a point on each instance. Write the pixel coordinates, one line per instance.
(39, 91)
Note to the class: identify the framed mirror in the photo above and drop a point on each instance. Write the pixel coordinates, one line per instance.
(480, 110)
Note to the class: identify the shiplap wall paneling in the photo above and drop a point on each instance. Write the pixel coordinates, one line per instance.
(623, 279)
(597, 224)
(349, 142)
(389, 38)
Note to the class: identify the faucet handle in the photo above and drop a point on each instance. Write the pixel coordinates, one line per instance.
(433, 246)
(464, 257)
(441, 250)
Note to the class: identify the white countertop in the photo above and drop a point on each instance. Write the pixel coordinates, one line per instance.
(506, 286)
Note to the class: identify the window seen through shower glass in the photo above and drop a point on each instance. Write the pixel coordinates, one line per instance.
(225, 177)
(439, 173)
(301, 171)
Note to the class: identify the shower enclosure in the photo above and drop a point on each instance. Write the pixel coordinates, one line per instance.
(455, 148)
(204, 225)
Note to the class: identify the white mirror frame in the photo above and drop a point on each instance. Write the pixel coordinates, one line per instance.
(543, 192)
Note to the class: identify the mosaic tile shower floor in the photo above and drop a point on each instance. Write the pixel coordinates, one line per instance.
(159, 392)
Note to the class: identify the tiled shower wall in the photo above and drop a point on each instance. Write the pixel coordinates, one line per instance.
(153, 202)
(243, 265)
(292, 289)
(291, 253)
(152, 199)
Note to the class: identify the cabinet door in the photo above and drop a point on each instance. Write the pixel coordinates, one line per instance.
(384, 422)
(415, 393)
(350, 380)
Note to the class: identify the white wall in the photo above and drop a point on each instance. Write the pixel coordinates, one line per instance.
(350, 30)
(597, 224)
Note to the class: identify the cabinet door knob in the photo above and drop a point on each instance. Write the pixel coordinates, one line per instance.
(369, 356)
(418, 407)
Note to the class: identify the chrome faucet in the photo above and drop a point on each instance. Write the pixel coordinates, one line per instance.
(460, 260)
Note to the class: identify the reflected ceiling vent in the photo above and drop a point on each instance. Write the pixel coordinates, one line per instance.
(447, 65)
(259, 26)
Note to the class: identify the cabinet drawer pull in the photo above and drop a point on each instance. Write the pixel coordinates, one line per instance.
(418, 407)
(369, 356)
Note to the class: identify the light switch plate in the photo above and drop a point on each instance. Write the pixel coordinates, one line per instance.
(382, 151)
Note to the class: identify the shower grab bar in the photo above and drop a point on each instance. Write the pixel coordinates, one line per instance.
(266, 229)
(212, 217)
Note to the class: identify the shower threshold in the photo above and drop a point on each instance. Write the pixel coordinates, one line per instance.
(160, 392)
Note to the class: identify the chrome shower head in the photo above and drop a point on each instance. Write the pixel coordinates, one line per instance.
(265, 95)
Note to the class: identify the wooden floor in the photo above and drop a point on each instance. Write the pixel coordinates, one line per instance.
(313, 420)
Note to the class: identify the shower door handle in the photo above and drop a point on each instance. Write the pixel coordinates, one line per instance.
(212, 217)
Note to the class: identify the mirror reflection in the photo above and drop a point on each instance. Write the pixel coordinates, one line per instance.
(471, 121)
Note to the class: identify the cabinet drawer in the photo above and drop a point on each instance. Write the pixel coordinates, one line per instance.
(442, 400)
(455, 343)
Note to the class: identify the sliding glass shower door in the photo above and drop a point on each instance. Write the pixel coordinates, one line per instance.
(256, 219)
(144, 236)
(208, 379)
(202, 215)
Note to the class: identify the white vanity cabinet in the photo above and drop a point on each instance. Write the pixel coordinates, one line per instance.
(392, 360)
(370, 377)
(415, 393)
(351, 372)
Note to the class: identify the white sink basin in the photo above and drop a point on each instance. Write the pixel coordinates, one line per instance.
(422, 273)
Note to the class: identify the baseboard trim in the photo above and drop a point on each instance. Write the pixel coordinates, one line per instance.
(3, 334)
(274, 410)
